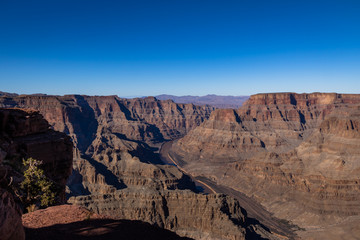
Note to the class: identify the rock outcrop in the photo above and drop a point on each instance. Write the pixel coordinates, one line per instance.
(26, 134)
(189, 214)
(297, 154)
(10, 218)
(73, 223)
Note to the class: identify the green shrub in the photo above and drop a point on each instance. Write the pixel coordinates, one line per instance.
(36, 189)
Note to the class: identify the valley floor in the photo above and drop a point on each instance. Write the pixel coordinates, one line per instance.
(256, 211)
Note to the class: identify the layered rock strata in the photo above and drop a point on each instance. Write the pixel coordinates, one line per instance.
(115, 138)
(148, 120)
(189, 214)
(297, 154)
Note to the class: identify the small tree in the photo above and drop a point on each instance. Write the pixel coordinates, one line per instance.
(36, 189)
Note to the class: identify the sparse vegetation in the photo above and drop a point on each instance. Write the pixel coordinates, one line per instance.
(36, 189)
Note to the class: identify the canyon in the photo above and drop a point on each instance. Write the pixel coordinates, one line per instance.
(293, 156)
(296, 154)
(118, 173)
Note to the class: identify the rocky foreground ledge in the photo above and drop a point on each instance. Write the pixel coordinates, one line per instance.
(74, 223)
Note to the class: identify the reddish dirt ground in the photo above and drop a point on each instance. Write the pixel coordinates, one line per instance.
(72, 222)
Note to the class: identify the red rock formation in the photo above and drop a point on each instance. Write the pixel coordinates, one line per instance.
(105, 129)
(188, 214)
(297, 154)
(147, 119)
(74, 223)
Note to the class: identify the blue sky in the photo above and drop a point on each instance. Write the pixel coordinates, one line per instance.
(180, 47)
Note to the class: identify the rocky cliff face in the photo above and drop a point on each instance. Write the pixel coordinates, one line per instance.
(72, 222)
(115, 138)
(10, 218)
(297, 154)
(188, 214)
(148, 120)
(266, 123)
(26, 134)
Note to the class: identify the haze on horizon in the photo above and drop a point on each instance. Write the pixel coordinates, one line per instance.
(139, 48)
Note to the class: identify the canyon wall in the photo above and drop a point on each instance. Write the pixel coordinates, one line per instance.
(297, 154)
(115, 139)
(143, 119)
(187, 213)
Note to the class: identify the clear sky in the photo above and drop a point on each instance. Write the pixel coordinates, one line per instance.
(179, 47)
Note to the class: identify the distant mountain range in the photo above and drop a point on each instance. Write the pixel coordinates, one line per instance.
(16, 94)
(212, 100)
(8, 94)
